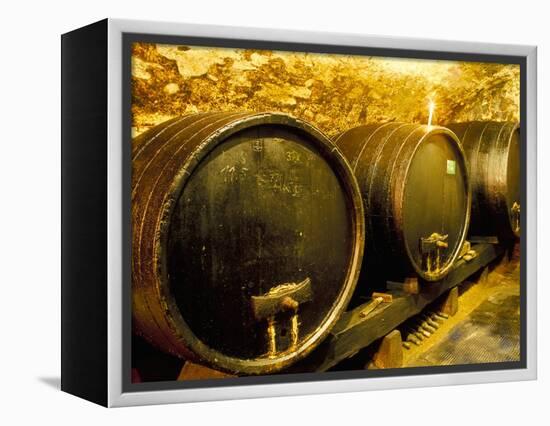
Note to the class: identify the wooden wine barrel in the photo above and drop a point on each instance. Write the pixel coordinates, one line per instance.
(493, 152)
(248, 235)
(416, 193)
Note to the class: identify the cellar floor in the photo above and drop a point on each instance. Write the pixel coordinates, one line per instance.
(485, 329)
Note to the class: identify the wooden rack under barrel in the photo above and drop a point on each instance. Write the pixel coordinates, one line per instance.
(356, 330)
(371, 321)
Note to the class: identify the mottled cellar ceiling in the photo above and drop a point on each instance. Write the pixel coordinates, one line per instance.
(334, 92)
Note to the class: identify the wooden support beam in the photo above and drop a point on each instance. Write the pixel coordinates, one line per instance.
(389, 353)
(484, 276)
(192, 371)
(409, 286)
(516, 250)
(449, 305)
(478, 239)
(355, 330)
(504, 262)
(136, 377)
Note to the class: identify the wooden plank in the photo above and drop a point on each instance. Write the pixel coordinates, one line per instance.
(410, 285)
(355, 331)
(483, 239)
(192, 371)
(450, 303)
(389, 353)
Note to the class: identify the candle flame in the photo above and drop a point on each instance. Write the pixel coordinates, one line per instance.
(431, 108)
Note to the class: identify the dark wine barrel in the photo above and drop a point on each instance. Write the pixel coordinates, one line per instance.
(416, 194)
(493, 152)
(248, 235)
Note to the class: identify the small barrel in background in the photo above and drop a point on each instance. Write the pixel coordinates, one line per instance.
(416, 194)
(248, 235)
(493, 152)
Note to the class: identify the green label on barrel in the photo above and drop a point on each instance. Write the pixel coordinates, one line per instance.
(451, 167)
